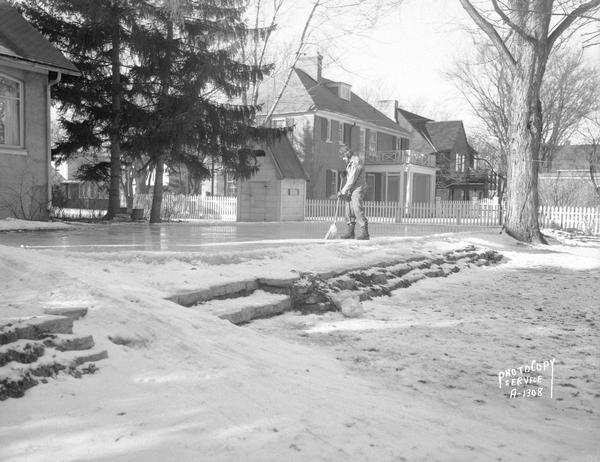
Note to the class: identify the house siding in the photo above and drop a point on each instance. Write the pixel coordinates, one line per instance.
(24, 175)
(264, 197)
(293, 192)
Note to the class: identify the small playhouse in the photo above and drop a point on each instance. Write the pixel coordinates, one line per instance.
(277, 192)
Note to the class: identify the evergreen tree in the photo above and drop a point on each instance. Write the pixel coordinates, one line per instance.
(157, 79)
(187, 72)
(95, 35)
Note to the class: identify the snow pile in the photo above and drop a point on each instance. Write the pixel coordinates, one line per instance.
(15, 224)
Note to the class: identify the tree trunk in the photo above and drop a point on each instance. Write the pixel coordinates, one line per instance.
(114, 198)
(522, 175)
(158, 190)
(160, 156)
(525, 123)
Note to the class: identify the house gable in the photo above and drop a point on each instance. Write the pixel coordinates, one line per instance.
(416, 127)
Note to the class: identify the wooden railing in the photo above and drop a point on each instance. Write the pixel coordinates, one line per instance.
(400, 157)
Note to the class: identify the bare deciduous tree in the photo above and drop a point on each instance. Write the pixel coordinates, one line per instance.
(570, 94)
(524, 35)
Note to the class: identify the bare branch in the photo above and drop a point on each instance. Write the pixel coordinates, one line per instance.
(570, 19)
(297, 55)
(519, 30)
(490, 31)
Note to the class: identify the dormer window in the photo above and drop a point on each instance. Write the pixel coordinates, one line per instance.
(344, 90)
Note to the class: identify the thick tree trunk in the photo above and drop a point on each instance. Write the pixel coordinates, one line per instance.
(522, 175)
(158, 190)
(114, 198)
(525, 120)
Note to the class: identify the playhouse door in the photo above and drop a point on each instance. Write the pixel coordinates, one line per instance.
(258, 200)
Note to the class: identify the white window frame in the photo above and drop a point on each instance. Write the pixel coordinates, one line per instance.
(328, 130)
(16, 148)
(279, 122)
(345, 92)
(335, 178)
(373, 142)
(361, 143)
(340, 132)
(460, 162)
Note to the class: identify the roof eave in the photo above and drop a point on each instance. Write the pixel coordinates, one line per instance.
(38, 65)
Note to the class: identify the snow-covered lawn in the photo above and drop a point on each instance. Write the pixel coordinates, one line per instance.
(15, 224)
(416, 378)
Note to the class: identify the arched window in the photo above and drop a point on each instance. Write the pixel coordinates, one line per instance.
(11, 112)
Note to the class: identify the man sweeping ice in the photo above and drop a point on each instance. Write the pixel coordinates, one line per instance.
(354, 192)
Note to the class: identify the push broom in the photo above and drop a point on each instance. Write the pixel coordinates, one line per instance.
(332, 233)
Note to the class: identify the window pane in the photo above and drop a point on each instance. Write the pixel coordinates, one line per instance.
(9, 88)
(9, 122)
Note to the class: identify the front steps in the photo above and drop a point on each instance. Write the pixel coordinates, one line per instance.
(241, 302)
(36, 347)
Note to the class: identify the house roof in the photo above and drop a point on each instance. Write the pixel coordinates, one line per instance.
(443, 135)
(325, 99)
(286, 160)
(21, 41)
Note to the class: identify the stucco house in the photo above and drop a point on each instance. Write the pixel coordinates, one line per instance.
(460, 176)
(29, 66)
(324, 114)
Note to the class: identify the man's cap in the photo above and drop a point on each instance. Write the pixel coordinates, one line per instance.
(344, 151)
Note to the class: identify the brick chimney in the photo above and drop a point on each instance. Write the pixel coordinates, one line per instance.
(388, 107)
(312, 65)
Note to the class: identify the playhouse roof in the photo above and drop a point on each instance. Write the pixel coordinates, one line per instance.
(286, 159)
(19, 40)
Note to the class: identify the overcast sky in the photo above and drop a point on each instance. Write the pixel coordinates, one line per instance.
(406, 55)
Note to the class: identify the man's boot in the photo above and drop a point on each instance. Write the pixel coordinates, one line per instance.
(349, 234)
(363, 233)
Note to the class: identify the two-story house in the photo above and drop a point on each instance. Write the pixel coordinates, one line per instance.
(326, 114)
(460, 176)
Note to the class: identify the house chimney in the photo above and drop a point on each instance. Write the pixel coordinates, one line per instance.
(388, 107)
(312, 65)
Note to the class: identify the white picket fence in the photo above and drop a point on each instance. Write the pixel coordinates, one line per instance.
(439, 213)
(181, 206)
(473, 213)
(586, 219)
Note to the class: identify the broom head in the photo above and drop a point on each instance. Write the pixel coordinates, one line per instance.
(332, 233)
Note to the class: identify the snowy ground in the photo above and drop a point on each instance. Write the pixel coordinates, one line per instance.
(415, 378)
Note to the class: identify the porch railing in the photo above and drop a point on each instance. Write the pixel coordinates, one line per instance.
(400, 157)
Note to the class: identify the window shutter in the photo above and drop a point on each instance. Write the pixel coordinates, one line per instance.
(328, 180)
(324, 129)
(348, 135)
